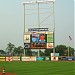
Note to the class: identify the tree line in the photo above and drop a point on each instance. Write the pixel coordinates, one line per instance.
(19, 51)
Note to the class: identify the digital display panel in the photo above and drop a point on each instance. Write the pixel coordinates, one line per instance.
(50, 38)
(42, 38)
(38, 40)
(38, 45)
(35, 38)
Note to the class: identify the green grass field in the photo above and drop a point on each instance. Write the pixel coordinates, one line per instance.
(39, 68)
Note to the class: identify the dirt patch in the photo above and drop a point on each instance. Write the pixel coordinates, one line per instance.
(6, 73)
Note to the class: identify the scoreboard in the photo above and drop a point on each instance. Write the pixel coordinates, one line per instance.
(39, 40)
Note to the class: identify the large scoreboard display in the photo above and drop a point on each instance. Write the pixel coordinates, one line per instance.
(39, 40)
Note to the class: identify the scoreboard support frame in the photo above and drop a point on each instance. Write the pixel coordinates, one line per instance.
(53, 20)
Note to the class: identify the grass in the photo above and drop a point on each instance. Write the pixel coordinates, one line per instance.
(39, 68)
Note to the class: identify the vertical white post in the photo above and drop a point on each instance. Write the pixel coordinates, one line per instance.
(53, 26)
(38, 27)
(24, 26)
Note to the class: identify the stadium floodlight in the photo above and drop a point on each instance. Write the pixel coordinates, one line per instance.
(50, 0)
(26, 2)
(46, 1)
(31, 2)
(40, 1)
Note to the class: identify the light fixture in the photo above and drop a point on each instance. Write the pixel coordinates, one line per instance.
(40, 1)
(50, 0)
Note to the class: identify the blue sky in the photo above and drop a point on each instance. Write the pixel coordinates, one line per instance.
(11, 22)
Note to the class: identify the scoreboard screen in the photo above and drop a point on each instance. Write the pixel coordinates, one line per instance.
(39, 40)
(35, 38)
(38, 45)
(42, 38)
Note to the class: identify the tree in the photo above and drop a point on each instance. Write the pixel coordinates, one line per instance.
(61, 49)
(71, 51)
(41, 53)
(18, 51)
(48, 52)
(28, 52)
(2, 52)
(10, 47)
(15, 52)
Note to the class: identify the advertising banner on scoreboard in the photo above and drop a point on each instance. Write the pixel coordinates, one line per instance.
(26, 45)
(49, 45)
(27, 38)
(50, 38)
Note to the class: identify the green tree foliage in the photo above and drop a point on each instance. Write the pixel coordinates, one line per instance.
(63, 50)
(71, 51)
(14, 50)
(41, 53)
(18, 51)
(60, 49)
(28, 52)
(10, 47)
(2, 52)
(48, 52)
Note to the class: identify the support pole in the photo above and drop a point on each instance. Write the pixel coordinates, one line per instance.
(68, 51)
(38, 27)
(53, 26)
(24, 26)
